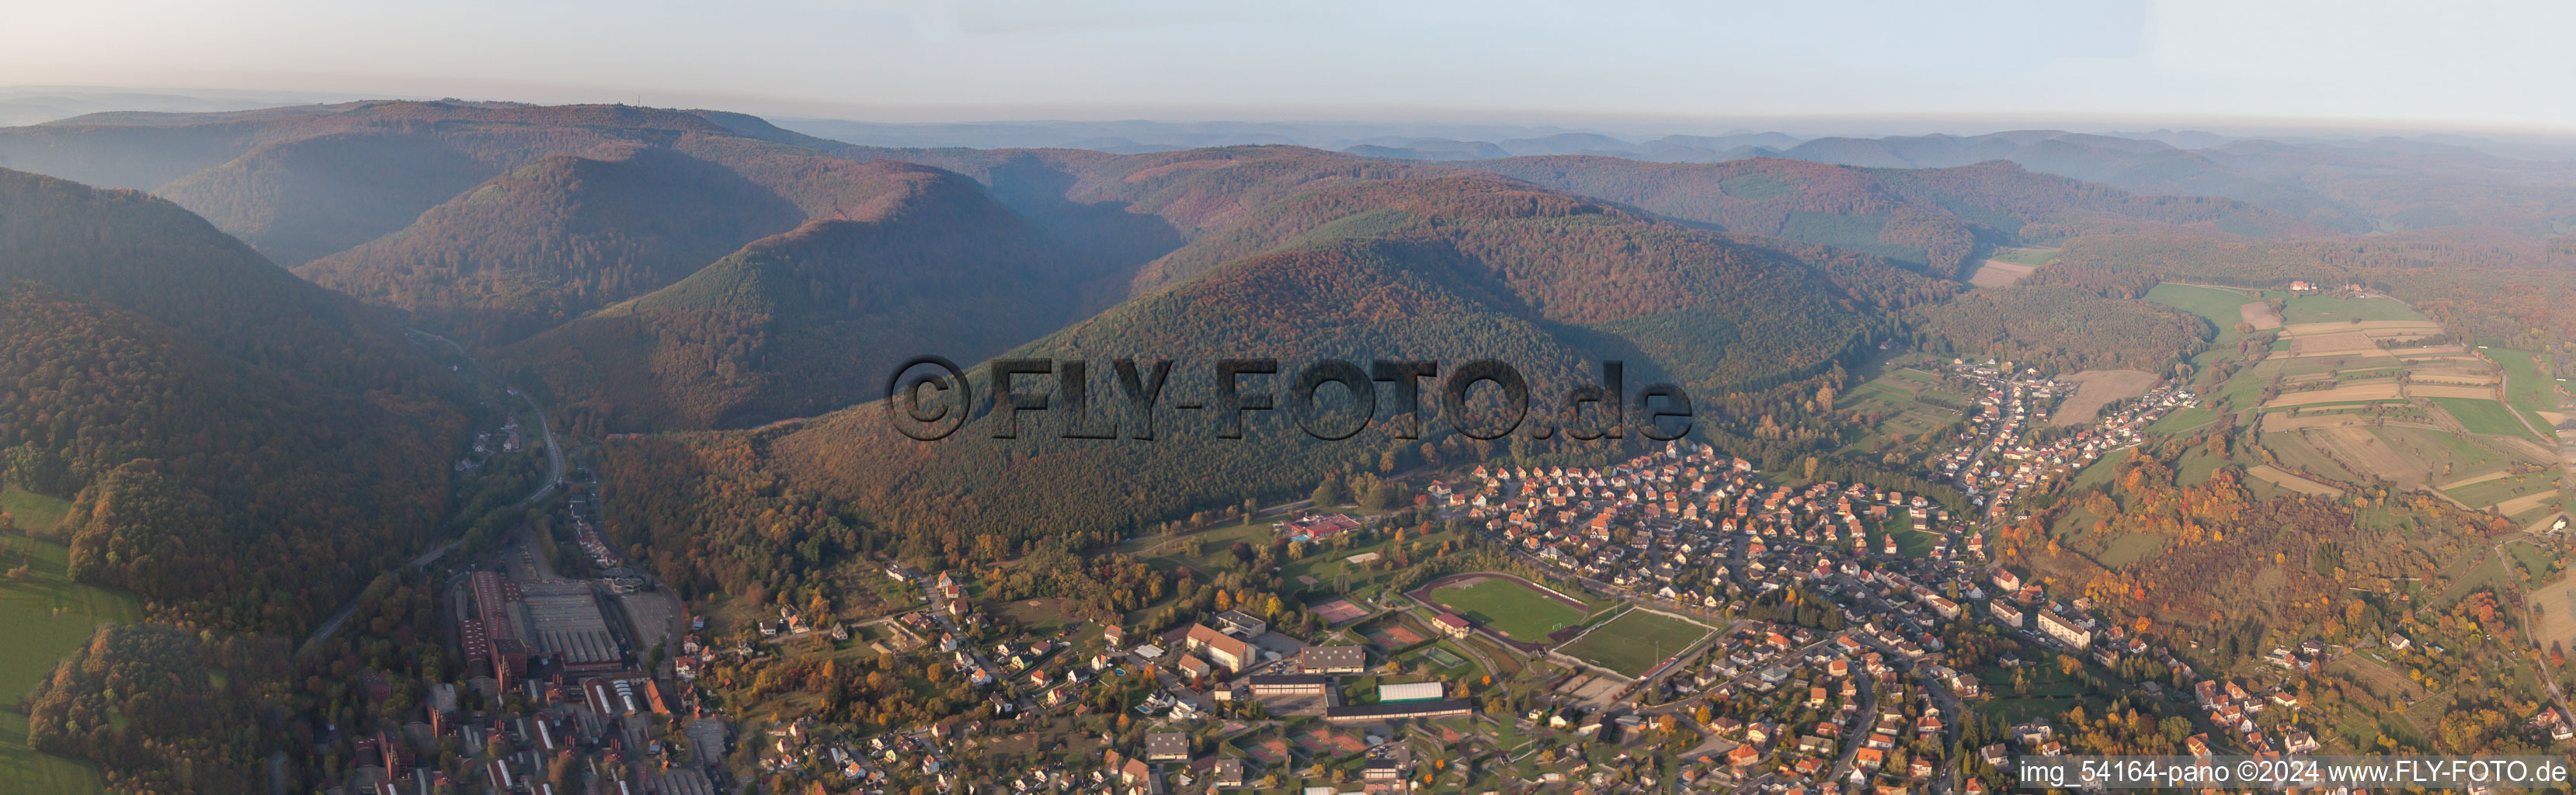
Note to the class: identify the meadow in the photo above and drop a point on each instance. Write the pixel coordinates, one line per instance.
(2322, 309)
(47, 616)
(2483, 416)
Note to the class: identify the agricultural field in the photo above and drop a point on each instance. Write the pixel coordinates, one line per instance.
(2024, 256)
(2260, 315)
(2222, 307)
(2000, 273)
(2489, 492)
(2554, 606)
(1636, 641)
(47, 616)
(2297, 455)
(2480, 415)
(2292, 482)
(1911, 402)
(2097, 388)
(2324, 309)
(1508, 607)
(2525, 389)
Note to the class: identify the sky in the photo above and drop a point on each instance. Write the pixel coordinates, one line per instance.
(2451, 65)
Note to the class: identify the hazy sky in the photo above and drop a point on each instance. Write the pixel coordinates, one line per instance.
(2158, 62)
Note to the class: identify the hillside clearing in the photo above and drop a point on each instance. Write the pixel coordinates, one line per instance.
(1998, 273)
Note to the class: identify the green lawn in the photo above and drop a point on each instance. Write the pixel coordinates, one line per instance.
(2481, 415)
(1510, 608)
(31, 510)
(2524, 387)
(2223, 308)
(2321, 309)
(2025, 256)
(1635, 641)
(2490, 492)
(46, 616)
(2099, 472)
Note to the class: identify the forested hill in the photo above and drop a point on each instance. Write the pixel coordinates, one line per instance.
(810, 320)
(302, 184)
(1484, 268)
(558, 238)
(1938, 218)
(244, 448)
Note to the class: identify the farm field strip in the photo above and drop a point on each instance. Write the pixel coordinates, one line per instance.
(2284, 479)
(2483, 415)
(2381, 390)
(1998, 273)
(2098, 388)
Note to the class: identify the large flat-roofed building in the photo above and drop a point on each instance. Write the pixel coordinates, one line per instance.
(1242, 624)
(496, 603)
(1365, 713)
(1291, 684)
(567, 624)
(1332, 659)
(1418, 691)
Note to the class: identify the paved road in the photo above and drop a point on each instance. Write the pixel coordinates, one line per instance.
(1742, 679)
(554, 474)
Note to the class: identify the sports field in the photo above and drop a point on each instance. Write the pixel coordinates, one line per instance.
(1508, 607)
(1635, 641)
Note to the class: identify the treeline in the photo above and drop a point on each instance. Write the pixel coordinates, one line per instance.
(2064, 328)
(163, 709)
(2100, 281)
(1935, 218)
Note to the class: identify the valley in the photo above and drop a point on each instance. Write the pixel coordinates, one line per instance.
(484, 447)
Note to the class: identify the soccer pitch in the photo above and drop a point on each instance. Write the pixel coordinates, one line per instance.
(1635, 642)
(1510, 608)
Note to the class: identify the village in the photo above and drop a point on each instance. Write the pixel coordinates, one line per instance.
(1809, 650)
(1680, 620)
(1998, 458)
